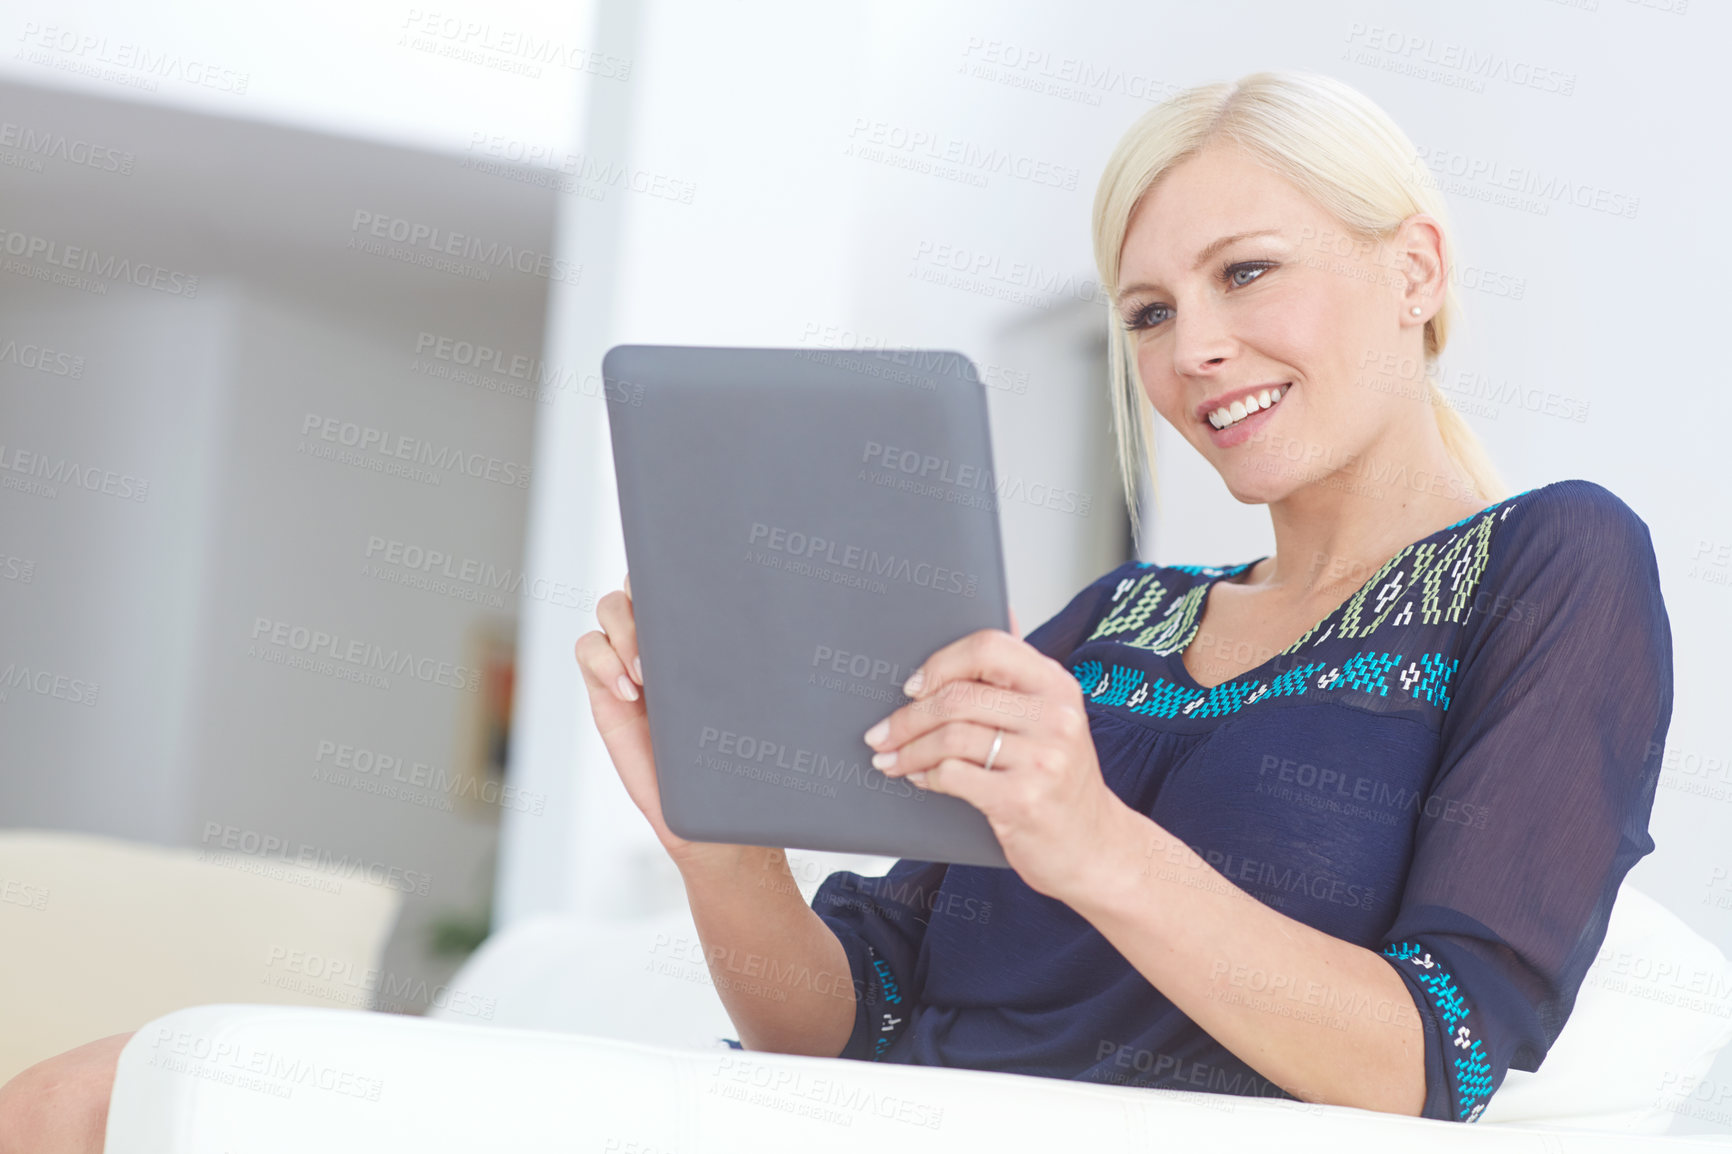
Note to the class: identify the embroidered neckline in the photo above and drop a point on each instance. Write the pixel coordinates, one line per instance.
(1414, 579)
(1433, 580)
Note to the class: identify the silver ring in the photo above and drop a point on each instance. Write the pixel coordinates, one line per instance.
(997, 741)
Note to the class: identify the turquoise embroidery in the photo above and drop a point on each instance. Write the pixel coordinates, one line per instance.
(1365, 671)
(889, 1024)
(1471, 1074)
(1203, 570)
(1432, 679)
(1425, 678)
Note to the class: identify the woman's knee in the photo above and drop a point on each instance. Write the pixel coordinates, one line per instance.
(60, 1105)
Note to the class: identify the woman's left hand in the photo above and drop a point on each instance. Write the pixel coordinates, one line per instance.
(1044, 794)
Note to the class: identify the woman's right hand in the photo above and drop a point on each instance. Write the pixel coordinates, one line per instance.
(613, 674)
(731, 915)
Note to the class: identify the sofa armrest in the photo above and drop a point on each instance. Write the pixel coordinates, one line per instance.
(285, 1080)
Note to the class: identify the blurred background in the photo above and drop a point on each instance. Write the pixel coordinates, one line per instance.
(305, 487)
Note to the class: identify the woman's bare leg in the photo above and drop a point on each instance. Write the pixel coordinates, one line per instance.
(60, 1105)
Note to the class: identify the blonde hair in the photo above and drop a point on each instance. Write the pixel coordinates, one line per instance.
(1338, 148)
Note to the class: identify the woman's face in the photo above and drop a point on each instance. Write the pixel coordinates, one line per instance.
(1306, 308)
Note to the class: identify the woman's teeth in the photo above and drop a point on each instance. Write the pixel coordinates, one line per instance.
(1237, 411)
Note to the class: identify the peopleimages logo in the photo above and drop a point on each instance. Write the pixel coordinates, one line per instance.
(473, 40)
(46, 683)
(432, 241)
(46, 472)
(372, 771)
(477, 364)
(362, 657)
(124, 62)
(252, 843)
(745, 755)
(68, 149)
(366, 439)
(808, 548)
(40, 358)
(1018, 281)
(438, 571)
(914, 471)
(107, 266)
(878, 139)
(235, 1064)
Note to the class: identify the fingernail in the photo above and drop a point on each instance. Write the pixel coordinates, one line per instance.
(625, 688)
(883, 760)
(913, 684)
(637, 664)
(878, 732)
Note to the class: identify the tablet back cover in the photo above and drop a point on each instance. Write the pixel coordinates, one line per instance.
(803, 527)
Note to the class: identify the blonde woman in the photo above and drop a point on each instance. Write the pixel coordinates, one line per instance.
(1343, 823)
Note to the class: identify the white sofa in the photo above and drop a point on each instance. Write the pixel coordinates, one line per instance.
(265, 1080)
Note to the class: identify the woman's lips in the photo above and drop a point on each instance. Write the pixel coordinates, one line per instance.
(1240, 432)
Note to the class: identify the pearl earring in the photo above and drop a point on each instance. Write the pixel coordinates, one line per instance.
(1416, 310)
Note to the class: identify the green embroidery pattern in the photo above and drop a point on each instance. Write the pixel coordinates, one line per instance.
(1460, 559)
(1439, 577)
(1134, 606)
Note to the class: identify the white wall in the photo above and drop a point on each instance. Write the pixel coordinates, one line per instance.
(199, 734)
(296, 540)
(104, 588)
(420, 75)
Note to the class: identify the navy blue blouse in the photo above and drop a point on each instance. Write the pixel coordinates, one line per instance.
(1454, 768)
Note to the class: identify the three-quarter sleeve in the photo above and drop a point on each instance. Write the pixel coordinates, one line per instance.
(1549, 756)
(880, 922)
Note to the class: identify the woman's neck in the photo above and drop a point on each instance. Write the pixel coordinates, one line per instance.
(1333, 533)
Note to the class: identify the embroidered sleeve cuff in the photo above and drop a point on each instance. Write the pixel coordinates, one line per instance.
(1458, 1071)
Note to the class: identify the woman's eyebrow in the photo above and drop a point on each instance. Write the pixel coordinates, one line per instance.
(1209, 250)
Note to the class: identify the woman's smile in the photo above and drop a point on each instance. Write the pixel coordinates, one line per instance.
(1234, 423)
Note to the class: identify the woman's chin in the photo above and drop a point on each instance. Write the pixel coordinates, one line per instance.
(1251, 486)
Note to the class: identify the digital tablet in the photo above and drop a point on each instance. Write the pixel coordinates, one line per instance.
(803, 527)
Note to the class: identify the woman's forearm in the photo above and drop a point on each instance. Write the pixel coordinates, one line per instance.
(1326, 1020)
(781, 973)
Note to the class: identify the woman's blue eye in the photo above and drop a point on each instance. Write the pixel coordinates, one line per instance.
(1233, 271)
(1143, 318)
